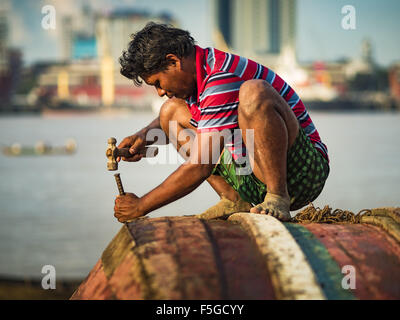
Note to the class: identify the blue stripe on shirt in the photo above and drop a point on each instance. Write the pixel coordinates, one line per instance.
(270, 76)
(219, 122)
(223, 88)
(241, 67)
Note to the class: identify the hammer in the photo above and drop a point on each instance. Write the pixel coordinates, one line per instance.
(112, 154)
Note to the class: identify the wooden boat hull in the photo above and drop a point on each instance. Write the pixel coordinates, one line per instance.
(248, 256)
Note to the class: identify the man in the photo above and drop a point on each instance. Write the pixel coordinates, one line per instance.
(211, 91)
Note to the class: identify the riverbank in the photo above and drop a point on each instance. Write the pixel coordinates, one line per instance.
(31, 289)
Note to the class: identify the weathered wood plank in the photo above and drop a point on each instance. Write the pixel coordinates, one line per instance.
(374, 255)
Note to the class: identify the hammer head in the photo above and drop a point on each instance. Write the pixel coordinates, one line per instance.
(112, 163)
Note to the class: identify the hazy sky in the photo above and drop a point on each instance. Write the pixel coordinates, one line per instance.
(321, 36)
(319, 32)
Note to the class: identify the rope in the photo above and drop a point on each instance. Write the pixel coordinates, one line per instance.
(325, 215)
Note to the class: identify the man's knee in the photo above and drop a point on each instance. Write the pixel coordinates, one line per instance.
(175, 116)
(167, 113)
(256, 96)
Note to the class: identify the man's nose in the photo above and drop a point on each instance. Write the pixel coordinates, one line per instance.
(161, 92)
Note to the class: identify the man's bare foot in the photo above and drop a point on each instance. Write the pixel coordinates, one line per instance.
(224, 208)
(274, 205)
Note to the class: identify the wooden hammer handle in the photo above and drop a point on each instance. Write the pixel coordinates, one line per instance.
(119, 184)
(123, 152)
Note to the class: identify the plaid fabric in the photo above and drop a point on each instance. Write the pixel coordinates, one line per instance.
(307, 171)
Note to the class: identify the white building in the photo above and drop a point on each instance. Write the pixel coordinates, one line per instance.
(364, 64)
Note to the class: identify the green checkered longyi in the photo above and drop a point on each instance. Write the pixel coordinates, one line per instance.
(307, 171)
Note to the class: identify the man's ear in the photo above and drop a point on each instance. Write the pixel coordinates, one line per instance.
(173, 60)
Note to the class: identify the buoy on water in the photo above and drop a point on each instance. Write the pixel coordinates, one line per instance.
(41, 149)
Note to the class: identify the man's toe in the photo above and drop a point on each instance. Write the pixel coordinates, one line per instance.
(282, 216)
(279, 215)
(287, 217)
(271, 212)
(255, 210)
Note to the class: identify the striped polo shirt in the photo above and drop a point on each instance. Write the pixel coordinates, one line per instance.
(214, 105)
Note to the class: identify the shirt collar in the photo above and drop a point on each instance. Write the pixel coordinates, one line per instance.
(200, 69)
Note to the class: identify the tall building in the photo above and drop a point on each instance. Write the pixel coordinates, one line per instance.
(4, 37)
(113, 32)
(5, 74)
(66, 38)
(262, 30)
(78, 35)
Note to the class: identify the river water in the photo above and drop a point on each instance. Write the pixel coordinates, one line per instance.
(58, 210)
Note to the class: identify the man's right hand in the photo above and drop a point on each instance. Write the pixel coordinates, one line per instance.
(137, 147)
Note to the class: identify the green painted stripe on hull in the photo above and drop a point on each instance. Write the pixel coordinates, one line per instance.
(325, 268)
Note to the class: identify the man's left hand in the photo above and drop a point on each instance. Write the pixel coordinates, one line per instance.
(127, 207)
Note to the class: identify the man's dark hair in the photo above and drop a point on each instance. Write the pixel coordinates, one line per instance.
(149, 47)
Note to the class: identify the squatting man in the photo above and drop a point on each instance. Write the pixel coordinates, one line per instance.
(211, 91)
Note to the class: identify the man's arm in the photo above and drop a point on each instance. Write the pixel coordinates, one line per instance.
(180, 183)
(204, 154)
(137, 142)
(155, 124)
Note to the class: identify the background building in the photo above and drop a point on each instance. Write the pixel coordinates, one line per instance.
(394, 82)
(113, 31)
(89, 76)
(78, 39)
(4, 36)
(262, 30)
(265, 31)
(10, 61)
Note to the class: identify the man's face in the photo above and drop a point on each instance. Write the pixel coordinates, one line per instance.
(178, 80)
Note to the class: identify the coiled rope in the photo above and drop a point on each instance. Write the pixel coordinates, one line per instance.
(312, 214)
